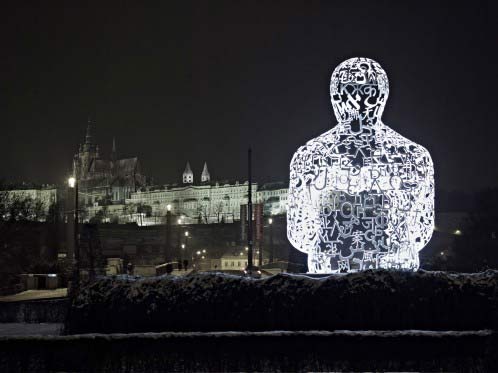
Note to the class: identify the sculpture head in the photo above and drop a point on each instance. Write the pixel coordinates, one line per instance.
(359, 89)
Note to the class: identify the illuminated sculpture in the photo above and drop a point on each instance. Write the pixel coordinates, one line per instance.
(361, 195)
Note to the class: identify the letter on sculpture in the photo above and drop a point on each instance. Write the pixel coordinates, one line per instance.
(361, 195)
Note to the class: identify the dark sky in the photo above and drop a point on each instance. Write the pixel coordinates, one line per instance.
(200, 81)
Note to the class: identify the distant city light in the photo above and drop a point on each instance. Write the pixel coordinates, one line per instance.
(183, 246)
(168, 207)
(186, 233)
(270, 221)
(458, 232)
(71, 181)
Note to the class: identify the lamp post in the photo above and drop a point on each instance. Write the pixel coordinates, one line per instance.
(249, 214)
(179, 242)
(73, 184)
(167, 246)
(185, 245)
(270, 223)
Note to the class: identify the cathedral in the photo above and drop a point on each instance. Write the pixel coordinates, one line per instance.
(105, 181)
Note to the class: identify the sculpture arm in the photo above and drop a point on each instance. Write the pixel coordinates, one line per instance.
(302, 217)
(425, 198)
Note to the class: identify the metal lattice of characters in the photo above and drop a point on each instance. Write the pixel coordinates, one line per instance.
(361, 196)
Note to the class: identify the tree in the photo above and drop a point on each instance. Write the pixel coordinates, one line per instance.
(91, 248)
(100, 216)
(476, 247)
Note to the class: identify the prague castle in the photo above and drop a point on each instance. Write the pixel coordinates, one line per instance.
(105, 181)
(209, 201)
(116, 190)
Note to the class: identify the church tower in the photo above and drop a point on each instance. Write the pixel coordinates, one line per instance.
(114, 154)
(205, 177)
(86, 156)
(188, 175)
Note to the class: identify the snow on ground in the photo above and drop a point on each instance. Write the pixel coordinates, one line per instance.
(19, 331)
(29, 329)
(35, 295)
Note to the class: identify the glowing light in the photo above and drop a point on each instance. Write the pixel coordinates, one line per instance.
(186, 234)
(458, 232)
(198, 253)
(72, 182)
(361, 195)
(179, 221)
(183, 246)
(270, 221)
(168, 207)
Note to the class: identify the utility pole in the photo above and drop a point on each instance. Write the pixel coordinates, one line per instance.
(73, 183)
(270, 223)
(249, 214)
(167, 246)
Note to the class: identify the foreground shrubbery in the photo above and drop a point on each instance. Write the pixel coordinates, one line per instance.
(367, 300)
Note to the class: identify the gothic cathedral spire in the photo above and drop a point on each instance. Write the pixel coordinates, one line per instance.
(114, 154)
(88, 137)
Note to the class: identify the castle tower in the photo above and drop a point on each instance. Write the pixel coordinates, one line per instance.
(88, 152)
(188, 175)
(205, 177)
(114, 154)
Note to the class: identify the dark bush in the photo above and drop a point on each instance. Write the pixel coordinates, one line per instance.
(371, 300)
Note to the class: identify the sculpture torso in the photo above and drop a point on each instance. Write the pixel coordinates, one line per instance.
(361, 196)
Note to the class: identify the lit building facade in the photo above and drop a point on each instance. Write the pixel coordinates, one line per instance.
(45, 196)
(209, 202)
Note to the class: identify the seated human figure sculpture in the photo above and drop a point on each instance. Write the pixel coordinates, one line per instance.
(361, 196)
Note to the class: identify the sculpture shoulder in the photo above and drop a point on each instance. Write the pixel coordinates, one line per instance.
(395, 142)
(316, 146)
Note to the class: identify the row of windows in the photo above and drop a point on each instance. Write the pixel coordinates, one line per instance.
(232, 264)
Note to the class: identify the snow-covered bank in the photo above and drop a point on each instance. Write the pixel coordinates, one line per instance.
(460, 351)
(382, 300)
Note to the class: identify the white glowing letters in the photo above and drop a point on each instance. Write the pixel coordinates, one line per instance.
(361, 196)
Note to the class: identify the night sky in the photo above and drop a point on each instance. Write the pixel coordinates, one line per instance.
(200, 81)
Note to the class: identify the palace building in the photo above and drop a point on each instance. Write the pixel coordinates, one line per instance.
(119, 188)
(209, 201)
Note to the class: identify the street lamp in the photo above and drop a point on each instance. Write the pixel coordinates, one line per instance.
(73, 184)
(270, 222)
(167, 246)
